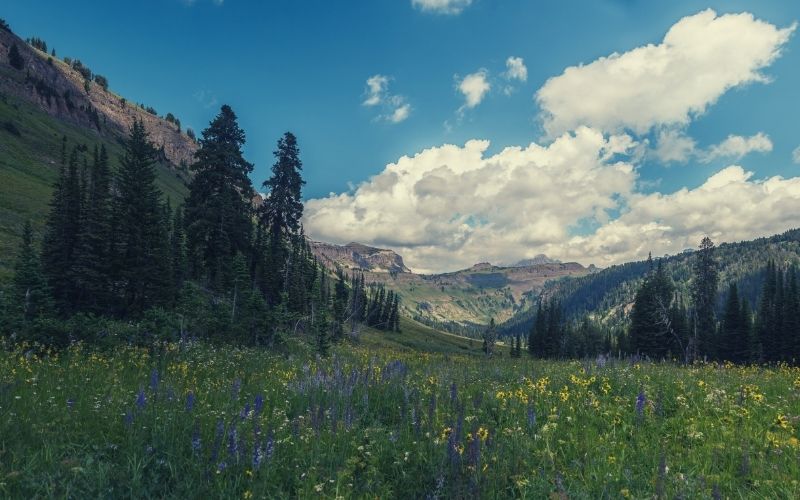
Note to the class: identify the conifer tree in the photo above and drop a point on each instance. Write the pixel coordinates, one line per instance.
(489, 338)
(732, 336)
(31, 296)
(142, 268)
(282, 210)
(92, 254)
(340, 297)
(704, 295)
(62, 235)
(15, 59)
(218, 209)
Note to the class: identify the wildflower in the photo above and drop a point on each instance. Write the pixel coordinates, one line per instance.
(127, 419)
(564, 394)
(531, 417)
(196, 438)
(247, 495)
(611, 459)
(258, 404)
(237, 385)
(641, 399)
(141, 399)
(189, 401)
(783, 422)
(154, 379)
(483, 433)
(70, 403)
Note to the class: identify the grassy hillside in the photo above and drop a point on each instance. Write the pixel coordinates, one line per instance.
(30, 151)
(608, 294)
(416, 337)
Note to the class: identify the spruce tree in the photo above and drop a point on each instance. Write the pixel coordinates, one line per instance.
(15, 59)
(732, 337)
(704, 295)
(31, 296)
(61, 237)
(218, 209)
(142, 268)
(340, 297)
(282, 210)
(92, 254)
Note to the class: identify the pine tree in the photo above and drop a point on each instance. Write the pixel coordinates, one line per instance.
(536, 337)
(651, 331)
(142, 268)
(177, 243)
(732, 337)
(282, 209)
(704, 295)
(15, 59)
(92, 254)
(31, 296)
(61, 237)
(489, 338)
(218, 209)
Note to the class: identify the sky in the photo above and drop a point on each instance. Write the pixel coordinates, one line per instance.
(464, 131)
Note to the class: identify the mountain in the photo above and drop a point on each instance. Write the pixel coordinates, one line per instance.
(47, 99)
(607, 295)
(355, 256)
(539, 259)
(461, 301)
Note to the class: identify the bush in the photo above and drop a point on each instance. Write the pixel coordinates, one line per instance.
(15, 59)
(102, 81)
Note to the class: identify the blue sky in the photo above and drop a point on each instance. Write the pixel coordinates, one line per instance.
(303, 66)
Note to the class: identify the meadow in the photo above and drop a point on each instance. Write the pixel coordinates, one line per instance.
(194, 420)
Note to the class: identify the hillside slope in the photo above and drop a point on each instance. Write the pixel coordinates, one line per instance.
(33, 124)
(608, 294)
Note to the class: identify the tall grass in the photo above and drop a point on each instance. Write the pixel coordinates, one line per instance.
(198, 421)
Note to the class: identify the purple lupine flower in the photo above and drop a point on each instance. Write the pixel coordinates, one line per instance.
(392, 437)
(474, 451)
(170, 394)
(141, 399)
(196, 438)
(258, 454)
(258, 404)
(221, 467)
(245, 412)
(70, 404)
(531, 417)
(189, 401)
(453, 393)
(452, 450)
(641, 399)
(432, 409)
(269, 446)
(233, 442)
(127, 419)
(154, 380)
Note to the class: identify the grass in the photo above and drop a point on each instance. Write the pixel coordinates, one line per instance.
(29, 164)
(198, 421)
(416, 337)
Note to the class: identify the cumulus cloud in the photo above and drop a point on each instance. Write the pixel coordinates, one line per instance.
(395, 107)
(450, 206)
(796, 155)
(474, 88)
(579, 197)
(451, 7)
(701, 57)
(729, 206)
(736, 146)
(516, 69)
(674, 146)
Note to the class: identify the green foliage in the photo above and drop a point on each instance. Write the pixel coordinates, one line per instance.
(651, 333)
(102, 81)
(38, 44)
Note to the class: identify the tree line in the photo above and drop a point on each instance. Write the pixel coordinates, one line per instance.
(117, 256)
(664, 323)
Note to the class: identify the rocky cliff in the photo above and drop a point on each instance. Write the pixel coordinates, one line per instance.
(355, 256)
(64, 93)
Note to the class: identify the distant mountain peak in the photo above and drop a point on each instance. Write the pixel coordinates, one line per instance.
(536, 261)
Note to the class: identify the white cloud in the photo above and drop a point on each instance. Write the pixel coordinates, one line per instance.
(441, 6)
(396, 108)
(400, 113)
(516, 69)
(450, 206)
(673, 145)
(474, 87)
(376, 90)
(701, 57)
(729, 206)
(796, 155)
(736, 146)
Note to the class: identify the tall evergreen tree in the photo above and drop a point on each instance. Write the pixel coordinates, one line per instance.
(704, 294)
(92, 254)
(282, 210)
(142, 269)
(15, 59)
(651, 331)
(31, 296)
(733, 336)
(61, 237)
(340, 297)
(218, 209)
